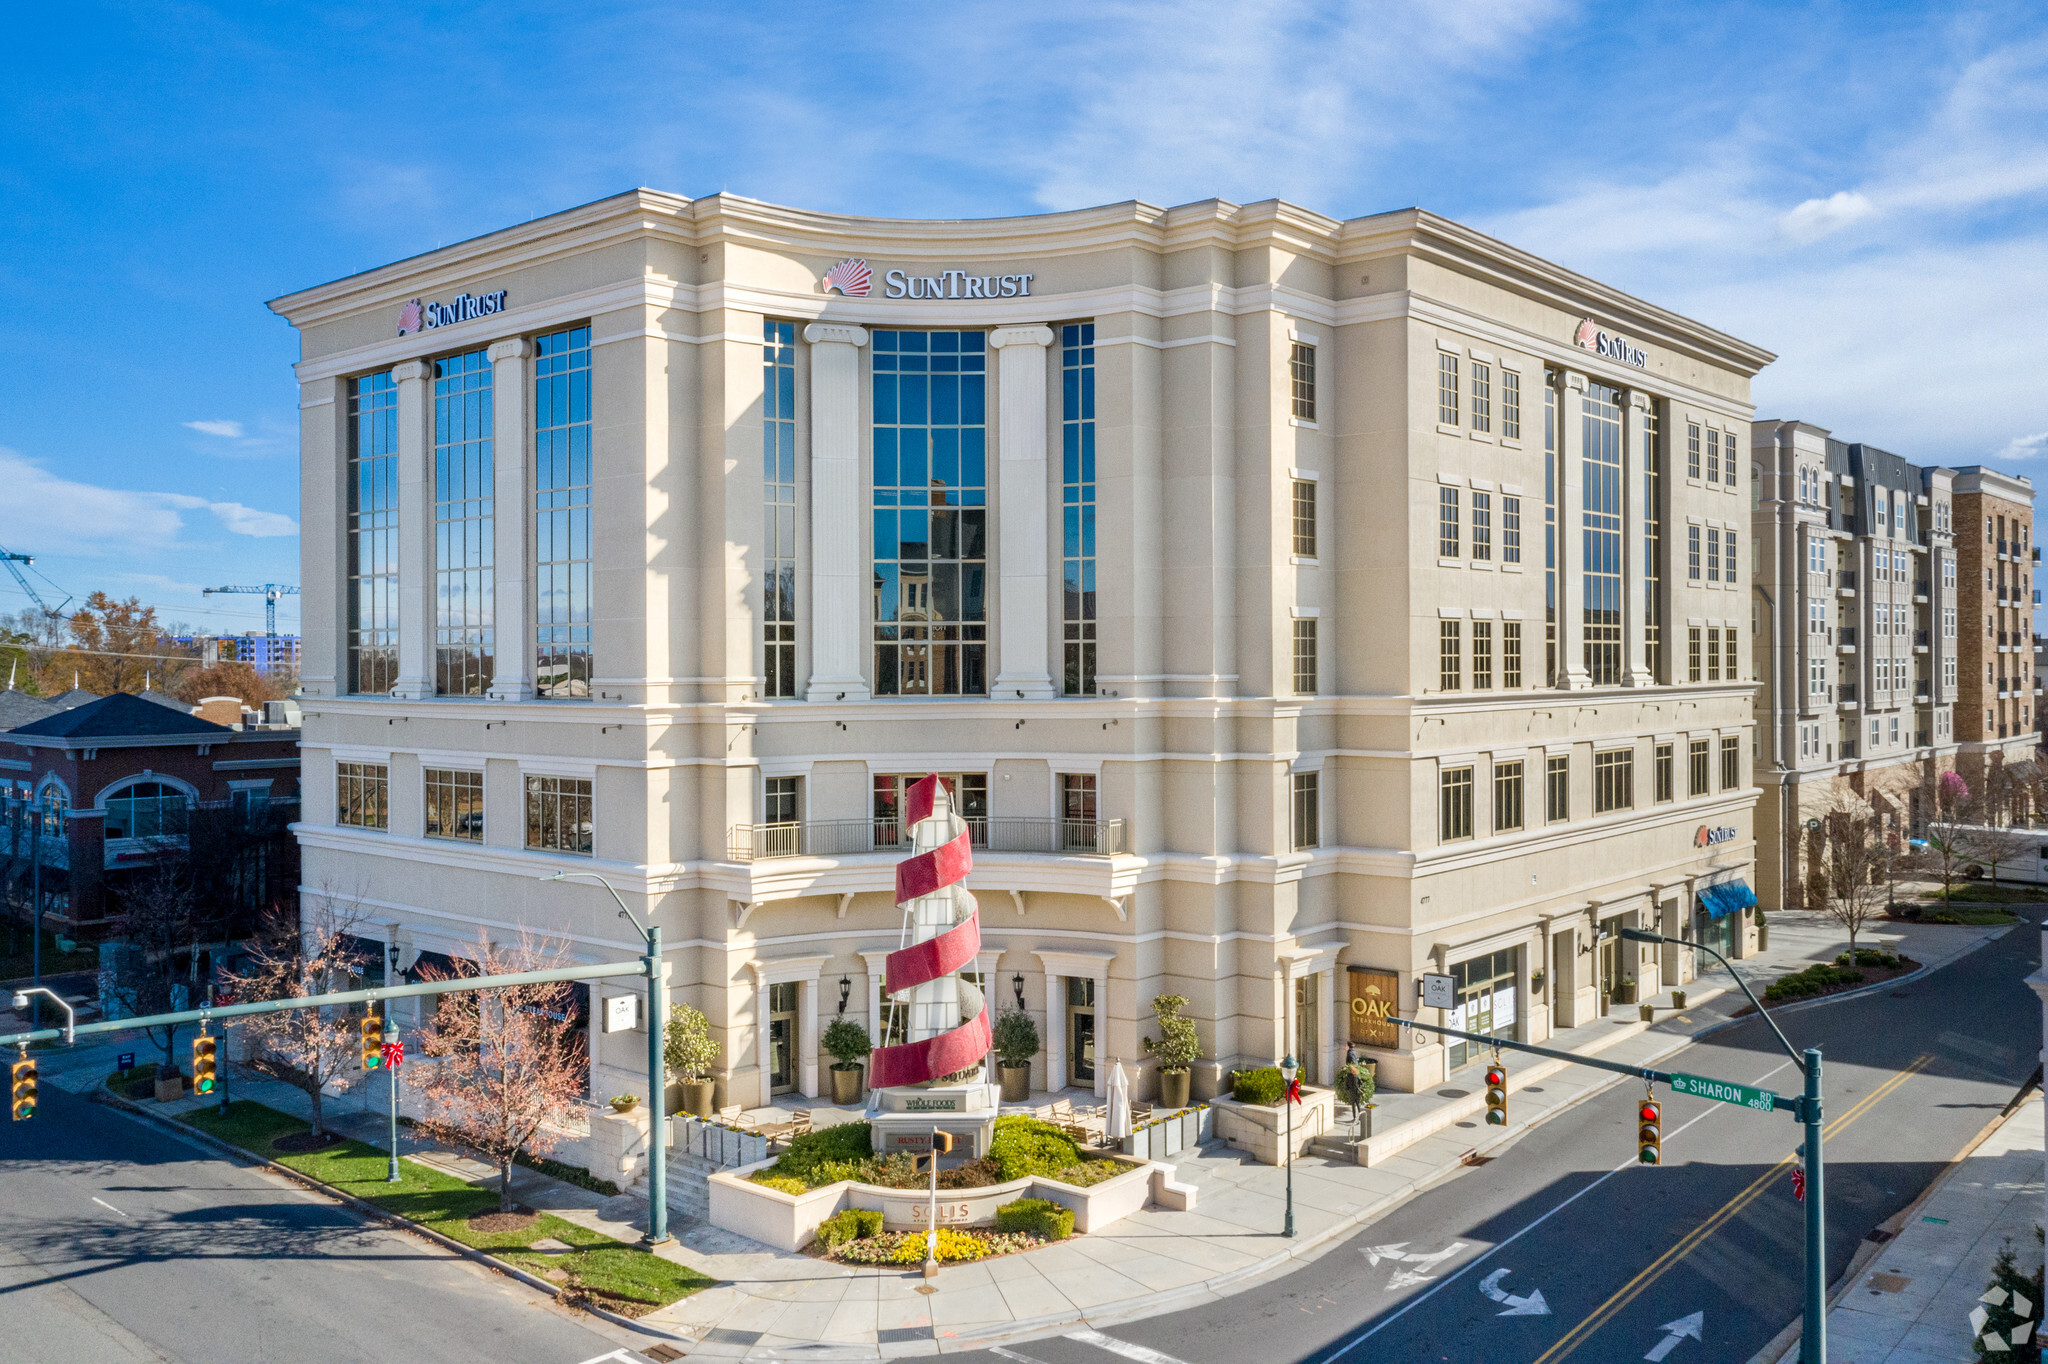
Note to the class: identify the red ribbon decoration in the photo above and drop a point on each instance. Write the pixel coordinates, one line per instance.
(1799, 1186)
(925, 874)
(1294, 1091)
(935, 870)
(394, 1054)
(940, 956)
(913, 1062)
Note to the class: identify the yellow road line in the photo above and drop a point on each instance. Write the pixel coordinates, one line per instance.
(1628, 1292)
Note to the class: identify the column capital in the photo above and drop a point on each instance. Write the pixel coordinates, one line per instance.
(1572, 378)
(512, 348)
(1020, 336)
(406, 371)
(844, 333)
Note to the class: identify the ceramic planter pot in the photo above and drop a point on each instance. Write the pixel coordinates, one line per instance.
(697, 1098)
(1016, 1084)
(624, 1105)
(1173, 1088)
(1678, 999)
(845, 1085)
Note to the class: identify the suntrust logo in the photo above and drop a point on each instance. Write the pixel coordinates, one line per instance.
(851, 278)
(1710, 834)
(1608, 347)
(417, 316)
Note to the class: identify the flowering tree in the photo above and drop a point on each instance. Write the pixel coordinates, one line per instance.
(308, 1048)
(1947, 840)
(506, 1060)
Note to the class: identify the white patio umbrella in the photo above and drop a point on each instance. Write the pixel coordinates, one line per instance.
(1117, 1125)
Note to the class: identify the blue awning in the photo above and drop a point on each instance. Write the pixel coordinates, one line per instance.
(1727, 898)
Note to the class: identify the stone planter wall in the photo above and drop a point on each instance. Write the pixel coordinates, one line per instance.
(1169, 1134)
(1261, 1132)
(728, 1147)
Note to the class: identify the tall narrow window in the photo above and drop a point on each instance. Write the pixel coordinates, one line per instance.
(1713, 654)
(1510, 405)
(1666, 779)
(1692, 553)
(1692, 653)
(1507, 796)
(1305, 657)
(1692, 450)
(1601, 548)
(1305, 518)
(931, 513)
(1454, 804)
(563, 658)
(455, 804)
(462, 524)
(1614, 780)
(1447, 533)
(1696, 767)
(1728, 465)
(1550, 434)
(1713, 554)
(1482, 655)
(1447, 389)
(778, 510)
(1307, 813)
(1511, 530)
(1653, 540)
(1450, 651)
(1713, 455)
(1482, 397)
(1731, 763)
(1511, 653)
(1482, 526)
(1302, 367)
(372, 536)
(1557, 788)
(1077, 506)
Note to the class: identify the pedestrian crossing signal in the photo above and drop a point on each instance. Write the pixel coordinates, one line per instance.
(23, 1090)
(1650, 1133)
(203, 1078)
(373, 1043)
(1497, 1095)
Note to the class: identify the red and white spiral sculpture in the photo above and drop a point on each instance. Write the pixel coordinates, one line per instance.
(949, 1027)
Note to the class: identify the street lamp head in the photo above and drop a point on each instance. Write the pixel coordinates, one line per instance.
(20, 1002)
(1288, 1069)
(845, 991)
(1640, 935)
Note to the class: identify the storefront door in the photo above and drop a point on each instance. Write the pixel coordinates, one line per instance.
(1486, 1002)
(1718, 934)
(782, 1037)
(1610, 962)
(1307, 1028)
(1081, 1031)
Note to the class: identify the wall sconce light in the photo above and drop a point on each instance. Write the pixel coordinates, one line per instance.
(1017, 983)
(845, 991)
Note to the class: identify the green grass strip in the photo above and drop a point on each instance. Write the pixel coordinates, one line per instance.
(599, 1265)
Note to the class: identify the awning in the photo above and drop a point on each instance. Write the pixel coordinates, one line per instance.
(1726, 898)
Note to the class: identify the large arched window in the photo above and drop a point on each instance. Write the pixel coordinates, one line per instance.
(147, 809)
(54, 800)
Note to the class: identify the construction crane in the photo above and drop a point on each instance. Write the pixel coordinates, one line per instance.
(270, 592)
(11, 560)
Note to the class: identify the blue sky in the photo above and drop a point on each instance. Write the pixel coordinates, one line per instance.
(1859, 187)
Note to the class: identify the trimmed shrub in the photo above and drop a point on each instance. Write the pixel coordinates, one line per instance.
(788, 1184)
(1025, 1146)
(1036, 1217)
(1262, 1086)
(1870, 956)
(1814, 980)
(851, 1225)
(1016, 1038)
(850, 1142)
(847, 1042)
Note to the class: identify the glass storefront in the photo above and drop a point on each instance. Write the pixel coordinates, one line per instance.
(1486, 1002)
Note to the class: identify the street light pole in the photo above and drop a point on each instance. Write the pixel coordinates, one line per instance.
(1288, 1070)
(1813, 1330)
(657, 1096)
(391, 1071)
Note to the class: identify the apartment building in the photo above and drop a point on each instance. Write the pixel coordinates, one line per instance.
(1995, 541)
(1296, 606)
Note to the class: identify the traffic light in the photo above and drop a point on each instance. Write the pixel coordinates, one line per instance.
(1496, 1095)
(942, 1143)
(373, 1042)
(24, 1090)
(925, 1162)
(202, 1064)
(1650, 1133)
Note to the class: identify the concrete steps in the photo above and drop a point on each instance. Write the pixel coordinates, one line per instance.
(689, 1191)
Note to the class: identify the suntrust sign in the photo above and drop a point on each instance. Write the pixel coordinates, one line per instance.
(418, 317)
(852, 279)
(1609, 347)
(1710, 834)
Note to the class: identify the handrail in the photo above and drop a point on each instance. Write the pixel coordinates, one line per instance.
(852, 837)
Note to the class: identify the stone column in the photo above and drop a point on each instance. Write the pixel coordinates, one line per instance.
(1635, 513)
(1021, 496)
(1055, 1033)
(1326, 1027)
(416, 597)
(512, 518)
(763, 1057)
(1571, 520)
(807, 1037)
(838, 616)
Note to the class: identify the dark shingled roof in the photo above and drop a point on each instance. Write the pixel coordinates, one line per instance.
(120, 716)
(18, 708)
(77, 696)
(166, 699)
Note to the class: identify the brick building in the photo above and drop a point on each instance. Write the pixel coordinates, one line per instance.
(1994, 710)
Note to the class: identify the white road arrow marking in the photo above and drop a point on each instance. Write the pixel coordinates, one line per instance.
(1378, 1253)
(1675, 1331)
(1531, 1306)
(1406, 1278)
(1140, 1354)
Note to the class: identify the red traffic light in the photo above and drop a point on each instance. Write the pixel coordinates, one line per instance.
(1651, 1113)
(1495, 1075)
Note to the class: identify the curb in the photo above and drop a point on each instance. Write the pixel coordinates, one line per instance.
(371, 1210)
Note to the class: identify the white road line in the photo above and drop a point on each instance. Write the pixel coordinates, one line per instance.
(1011, 1354)
(1445, 1281)
(109, 1206)
(1123, 1347)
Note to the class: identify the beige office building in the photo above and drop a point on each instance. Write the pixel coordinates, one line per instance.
(1210, 551)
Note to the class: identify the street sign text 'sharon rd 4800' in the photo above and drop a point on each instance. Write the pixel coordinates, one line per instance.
(1727, 1091)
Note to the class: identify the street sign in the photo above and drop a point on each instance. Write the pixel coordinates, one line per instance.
(124, 1061)
(1439, 992)
(621, 1013)
(1726, 1091)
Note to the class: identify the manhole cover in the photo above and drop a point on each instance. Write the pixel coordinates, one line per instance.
(662, 1354)
(1888, 1283)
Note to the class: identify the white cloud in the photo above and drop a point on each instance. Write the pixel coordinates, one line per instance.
(2023, 447)
(249, 521)
(230, 429)
(1817, 218)
(47, 514)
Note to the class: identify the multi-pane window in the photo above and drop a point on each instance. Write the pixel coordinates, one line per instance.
(558, 814)
(1302, 370)
(1692, 553)
(463, 650)
(1305, 657)
(1447, 389)
(1614, 780)
(1511, 653)
(1077, 507)
(1482, 655)
(931, 513)
(1482, 397)
(1665, 777)
(1713, 455)
(1482, 525)
(1557, 788)
(1728, 655)
(1728, 465)
(1692, 653)
(372, 535)
(563, 659)
(362, 795)
(1448, 536)
(1307, 815)
(1601, 533)
(147, 809)
(1731, 763)
(782, 800)
(1692, 450)
(1450, 654)
(1510, 530)
(1305, 518)
(1510, 405)
(1550, 434)
(1454, 804)
(970, 801)
(1696, 758)
(1653, 539)
(1713, 654)
(778, 510)
(455, 804)
(1713, 554)
(1507, 794)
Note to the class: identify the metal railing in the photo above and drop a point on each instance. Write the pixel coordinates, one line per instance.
(847, 837)
(1848, 749)
(1846, 636)
(1846, 694)
(1846, 578)
(1921, 587)
(1920, 639)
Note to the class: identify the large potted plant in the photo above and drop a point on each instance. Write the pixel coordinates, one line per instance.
(1178, 1047)
(689, 1051)
(1357, 1082)
(849, 1044)
(1016, 1039)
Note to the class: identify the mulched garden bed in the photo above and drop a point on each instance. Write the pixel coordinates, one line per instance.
(1871, 975)
(298, 1143)
(492, 1223)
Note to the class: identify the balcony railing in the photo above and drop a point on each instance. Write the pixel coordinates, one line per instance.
(1846, 694)
(847, 837)
(1921, 586)
(1846, 636)
(1846, 579)
(1920, 639)
(1921, 738)
(1848, 747)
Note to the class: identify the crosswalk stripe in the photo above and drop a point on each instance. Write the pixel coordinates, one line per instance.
(1138, 1353)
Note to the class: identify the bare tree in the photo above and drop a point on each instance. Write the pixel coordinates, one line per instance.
(308, 1048)
(162, 923)
(507, 1061)
(1993, 847)
(1850, 878)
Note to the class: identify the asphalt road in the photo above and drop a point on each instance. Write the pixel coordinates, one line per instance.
(118, 1242)
(1618, 1251)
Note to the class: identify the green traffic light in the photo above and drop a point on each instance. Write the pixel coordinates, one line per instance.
(1648, 1155)
(203, 1085)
